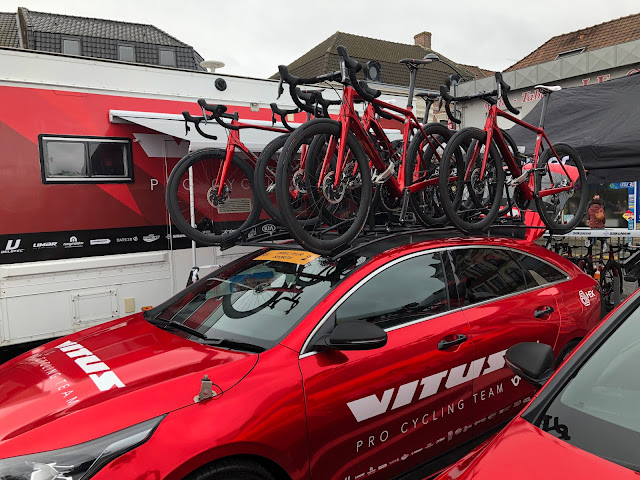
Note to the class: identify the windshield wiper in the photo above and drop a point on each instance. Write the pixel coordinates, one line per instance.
(180, 326)
(233, 344)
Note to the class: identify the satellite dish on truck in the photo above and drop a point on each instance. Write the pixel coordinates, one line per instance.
(211, 65)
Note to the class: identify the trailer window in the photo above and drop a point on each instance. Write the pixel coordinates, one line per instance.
(85, 159)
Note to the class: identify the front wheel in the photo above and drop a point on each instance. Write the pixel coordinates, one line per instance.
(231, 470)
(220, 212)
(341, 210)
(423, 160)
(562, 211)
(470, 197)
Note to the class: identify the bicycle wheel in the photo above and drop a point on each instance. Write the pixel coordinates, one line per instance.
(508, 196)
(611, 284)
(245, 302)
(220, 214)
(459, 180)
(422, 163)
(556, 210)
(265, 176)
(348, 203)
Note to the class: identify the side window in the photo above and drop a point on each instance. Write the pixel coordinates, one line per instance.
(486, 273)
(85, 159)
(537, 271)
(407, 291)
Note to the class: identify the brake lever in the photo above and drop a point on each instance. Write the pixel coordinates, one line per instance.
(204, 114)
(280, 88)
(186, 127)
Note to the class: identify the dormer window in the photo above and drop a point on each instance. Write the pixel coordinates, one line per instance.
(167, 57)
(571, 52)
(71, 46)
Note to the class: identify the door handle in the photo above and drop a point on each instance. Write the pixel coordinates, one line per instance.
(444, 344)
(541, 312)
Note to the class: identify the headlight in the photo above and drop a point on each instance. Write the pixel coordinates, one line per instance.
(80, 461)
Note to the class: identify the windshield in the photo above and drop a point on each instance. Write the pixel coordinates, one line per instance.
(598, 410)
(255, 301)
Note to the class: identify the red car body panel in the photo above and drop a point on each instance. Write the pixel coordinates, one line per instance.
(335, 414)
(47, 392)
(525, 452)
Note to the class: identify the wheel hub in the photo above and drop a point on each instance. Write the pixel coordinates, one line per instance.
(332, 194)
(216, 197)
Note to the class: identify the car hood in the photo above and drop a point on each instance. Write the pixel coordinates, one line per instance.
(525, 452)
(105, 379)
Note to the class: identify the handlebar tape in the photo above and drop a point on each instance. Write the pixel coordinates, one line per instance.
(283, 115)
(218, 112)
(504, 89)
(196, 121)
(353, 67)
(382, 114)
(448, 98)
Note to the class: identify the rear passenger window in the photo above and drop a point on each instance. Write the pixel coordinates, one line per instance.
(407, 291)
(539, 272)
(486, 273)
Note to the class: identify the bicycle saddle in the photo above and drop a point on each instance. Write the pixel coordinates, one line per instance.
(548, 88)
(427, 95)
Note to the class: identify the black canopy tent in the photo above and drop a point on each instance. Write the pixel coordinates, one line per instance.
(601, 121)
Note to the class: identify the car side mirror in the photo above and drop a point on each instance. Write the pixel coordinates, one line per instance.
(531, 361)
(353, 335)
(432, 56)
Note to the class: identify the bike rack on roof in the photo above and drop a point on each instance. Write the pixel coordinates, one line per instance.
(268, 233)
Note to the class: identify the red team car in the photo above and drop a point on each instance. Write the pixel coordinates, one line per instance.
(585, 422)
(287, 365)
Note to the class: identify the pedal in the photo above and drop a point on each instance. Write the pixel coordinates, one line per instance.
(382, 177)
(405, 205)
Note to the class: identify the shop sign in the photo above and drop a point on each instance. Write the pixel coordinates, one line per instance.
(632, 206)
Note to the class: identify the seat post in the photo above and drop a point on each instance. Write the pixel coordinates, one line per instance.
(545, 102)
(412, 84)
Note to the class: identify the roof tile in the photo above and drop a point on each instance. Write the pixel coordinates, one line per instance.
(605, 34)
(9, 30)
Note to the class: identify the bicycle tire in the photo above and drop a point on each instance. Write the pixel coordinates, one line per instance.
(508, 194)
(265, 176)
(244, 210)
(464, 147)
(314, 237)
(551, 207)
(426, 203)
(611, 269)
(230, 310)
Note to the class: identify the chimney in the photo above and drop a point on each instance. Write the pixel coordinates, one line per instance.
(423, 40)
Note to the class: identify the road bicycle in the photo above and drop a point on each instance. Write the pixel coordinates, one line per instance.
(211, 194)
(472, 167)
(348, 156)
(312, 102)
(616, 272)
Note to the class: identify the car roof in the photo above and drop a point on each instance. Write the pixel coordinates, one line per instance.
(372, 245)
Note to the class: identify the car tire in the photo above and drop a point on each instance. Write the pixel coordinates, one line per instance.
(566, 351)
(231, 470)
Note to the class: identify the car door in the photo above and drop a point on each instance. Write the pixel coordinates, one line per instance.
(504, 305)
(377, 413)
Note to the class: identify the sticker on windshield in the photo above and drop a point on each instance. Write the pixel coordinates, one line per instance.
(299, 257)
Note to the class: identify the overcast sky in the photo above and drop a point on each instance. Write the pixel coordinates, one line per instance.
(252, 37)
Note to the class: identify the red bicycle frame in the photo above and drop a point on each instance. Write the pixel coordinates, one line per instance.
(494, 134)
(351, 122)
(233, 142)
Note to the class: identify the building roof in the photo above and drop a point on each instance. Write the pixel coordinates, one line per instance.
(9, 30)
(324, 58)
(477, 71)
(605, 34)
(95, 27)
